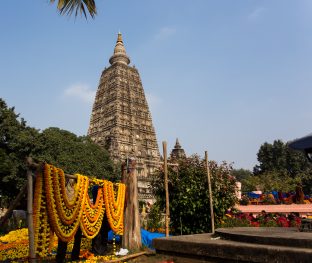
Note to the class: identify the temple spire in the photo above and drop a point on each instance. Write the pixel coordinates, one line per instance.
(177, 144)
(120, 55)
(177, 152)
(121, 120)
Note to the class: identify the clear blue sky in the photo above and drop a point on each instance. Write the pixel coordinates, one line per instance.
(223, 76)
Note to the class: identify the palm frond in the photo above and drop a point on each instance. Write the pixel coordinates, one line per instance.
(76, 6)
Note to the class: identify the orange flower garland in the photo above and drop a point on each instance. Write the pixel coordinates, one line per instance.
(114, 208)
(55, 212)
(67, 210)
(43, 232)
(92, 215)
(62, 183)
(62, 221)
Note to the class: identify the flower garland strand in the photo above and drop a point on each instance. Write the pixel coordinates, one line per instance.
(62, 221)
(67, 211)
(114, 208)
(43, 233)
(116, 205)
(55, 213)
(92, 215)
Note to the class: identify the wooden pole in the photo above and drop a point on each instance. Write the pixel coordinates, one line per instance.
(167, 219)
(210, 193)
(31, 234)
(132, 230)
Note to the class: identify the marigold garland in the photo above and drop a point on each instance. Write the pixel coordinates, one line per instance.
(92, 215)
(64, 224)
(68, 210)
(114, 208)
(55, 212)
(43, 233)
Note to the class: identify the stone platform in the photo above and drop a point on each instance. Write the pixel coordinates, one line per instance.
(242, 244)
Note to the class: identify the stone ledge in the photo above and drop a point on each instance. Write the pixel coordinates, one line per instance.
(211, 250)
(279, 236)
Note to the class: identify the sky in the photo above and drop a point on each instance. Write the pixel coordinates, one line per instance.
(222, 76)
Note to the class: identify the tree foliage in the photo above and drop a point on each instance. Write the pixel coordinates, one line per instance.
(16, 142)
(73, 154)
(270, 181)
(59, 147)
(280, 166)
(76, 6)
(188, 194)
(279, 157)
(241, 174)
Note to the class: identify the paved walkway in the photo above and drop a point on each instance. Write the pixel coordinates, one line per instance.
(303, 210)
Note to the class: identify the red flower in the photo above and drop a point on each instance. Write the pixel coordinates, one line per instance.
(282, 221)
(255, 224)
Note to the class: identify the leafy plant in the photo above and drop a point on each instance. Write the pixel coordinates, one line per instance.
(188, 194)
(155, 218)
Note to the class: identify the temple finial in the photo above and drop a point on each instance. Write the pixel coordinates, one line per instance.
(119, 38)
(120, 55)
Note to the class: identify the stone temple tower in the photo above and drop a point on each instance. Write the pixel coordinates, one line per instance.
(121, 121)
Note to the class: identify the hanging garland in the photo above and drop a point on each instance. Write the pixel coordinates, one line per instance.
(43, 233)
(114, 204)
(64, 220)
(68, 210)
(55, 212)
(92, 215)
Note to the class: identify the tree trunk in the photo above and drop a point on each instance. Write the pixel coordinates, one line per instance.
(132, 232)
(13, 205)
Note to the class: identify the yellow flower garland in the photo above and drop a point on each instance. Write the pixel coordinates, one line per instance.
(43, 232)
(67, 210)
(62, 221)
(54, 212)
(92, 215)
(114, 208)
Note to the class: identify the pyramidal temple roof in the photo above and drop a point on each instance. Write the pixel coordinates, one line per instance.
(120, 55)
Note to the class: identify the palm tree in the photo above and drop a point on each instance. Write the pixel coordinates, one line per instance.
(76, 6)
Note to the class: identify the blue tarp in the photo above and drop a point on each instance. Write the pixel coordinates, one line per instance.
(111, 235)
(275, 194)
(253, 195)
(146, 236)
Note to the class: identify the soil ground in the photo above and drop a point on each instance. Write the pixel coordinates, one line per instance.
(151, 259)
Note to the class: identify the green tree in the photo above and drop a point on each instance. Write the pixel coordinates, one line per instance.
(76, 6)
(241, 174)
(279, 157)
(16, 142)
(270, 181)
(59, 147)
(283, 164)
(188, 194)
(74, 154)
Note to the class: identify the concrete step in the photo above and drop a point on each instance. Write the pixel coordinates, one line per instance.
(206, 248)
(279, 236)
